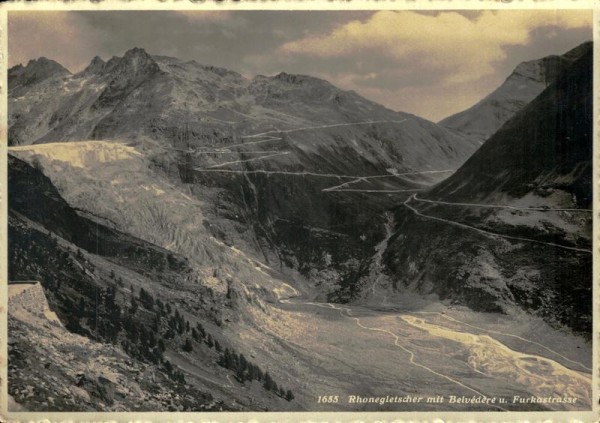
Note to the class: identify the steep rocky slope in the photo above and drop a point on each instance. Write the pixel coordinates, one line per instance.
(525, 83)
(305, 346)
(512, 227)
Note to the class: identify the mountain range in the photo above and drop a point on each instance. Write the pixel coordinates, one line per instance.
(204, 124)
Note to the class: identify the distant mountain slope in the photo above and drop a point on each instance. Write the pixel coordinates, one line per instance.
(525, 83)
(489, 236)
(545, 147)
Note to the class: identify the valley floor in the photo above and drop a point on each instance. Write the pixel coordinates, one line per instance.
(423, 348)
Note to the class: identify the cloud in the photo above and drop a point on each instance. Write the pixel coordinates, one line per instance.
(204, 16)
(431, 63)
(55, 35)
(461, 47)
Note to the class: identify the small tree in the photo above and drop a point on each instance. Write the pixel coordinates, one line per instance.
(134, 305)
(187, 346)
(226, 360)
(289, 395)
(240, 375)
(201, 329)
(268, 384)
(243, 362)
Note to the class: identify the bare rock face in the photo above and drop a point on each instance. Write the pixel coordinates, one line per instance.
(101, 387)
(96, 66)
(28, 299)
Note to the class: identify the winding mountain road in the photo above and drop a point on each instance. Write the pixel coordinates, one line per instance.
(283, 153)
(389, 175)
(334, 125)
(489, 233)
(499, 206)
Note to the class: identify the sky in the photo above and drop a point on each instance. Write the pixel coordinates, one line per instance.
(432, 64)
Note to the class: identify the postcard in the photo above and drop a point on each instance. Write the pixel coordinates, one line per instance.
(298, 212)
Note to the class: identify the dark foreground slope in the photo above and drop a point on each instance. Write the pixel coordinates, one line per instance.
(539, 165)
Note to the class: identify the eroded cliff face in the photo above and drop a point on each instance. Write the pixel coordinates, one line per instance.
(28, 299)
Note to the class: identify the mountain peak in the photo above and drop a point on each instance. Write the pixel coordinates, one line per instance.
(16, 69)
(126, 73)
(137, 58)
(548, 68)
(579, 51)
(297, 79)
(36, 70)
(136, 52)
(47, 66)
(97, 65)
(44, 61)
(97, 60)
